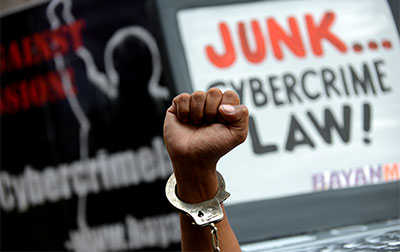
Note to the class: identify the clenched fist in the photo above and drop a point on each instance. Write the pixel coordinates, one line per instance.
(198, 130)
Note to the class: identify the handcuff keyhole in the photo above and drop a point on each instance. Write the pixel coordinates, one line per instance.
(200, 214)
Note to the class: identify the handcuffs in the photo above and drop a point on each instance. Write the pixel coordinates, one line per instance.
(206, 213)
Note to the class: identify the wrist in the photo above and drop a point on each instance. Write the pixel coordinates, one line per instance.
(195, 184)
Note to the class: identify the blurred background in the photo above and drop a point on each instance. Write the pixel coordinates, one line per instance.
(84, 86)
(83, 165)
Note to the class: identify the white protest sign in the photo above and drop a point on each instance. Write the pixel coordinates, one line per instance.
(321, 81)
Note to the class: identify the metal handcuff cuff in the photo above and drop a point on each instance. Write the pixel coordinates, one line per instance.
(205, 213)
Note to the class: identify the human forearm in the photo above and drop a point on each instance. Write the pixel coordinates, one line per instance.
(199, 129)
(195, 184)
(195, 188)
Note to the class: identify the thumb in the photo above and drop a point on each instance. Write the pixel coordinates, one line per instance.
(237, 116)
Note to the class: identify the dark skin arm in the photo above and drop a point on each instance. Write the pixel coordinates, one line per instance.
(198, 130)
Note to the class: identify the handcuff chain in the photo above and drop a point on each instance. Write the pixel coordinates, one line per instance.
(205, 213)
(214, 237)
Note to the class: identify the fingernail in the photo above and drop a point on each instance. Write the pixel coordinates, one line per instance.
(229, 109)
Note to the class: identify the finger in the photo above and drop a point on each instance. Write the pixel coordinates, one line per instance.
(237, 117)
(230, 97)
(182, 105)
(197, 101)
(213, 100)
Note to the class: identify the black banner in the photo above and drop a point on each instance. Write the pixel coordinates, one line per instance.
(83, 164)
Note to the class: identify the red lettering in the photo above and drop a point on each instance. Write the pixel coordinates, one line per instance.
(2, 105)
(319, 32)
(41, 47)
(227, 58)
(76, 33)
(11, 99)
(43, 51)
(58, 41)
(72, 79)
(13, 61)
(391, 172)
(259, 54)
(55, 83)
(277, 34)
(38, 90)
(27, 50)
(2, 59)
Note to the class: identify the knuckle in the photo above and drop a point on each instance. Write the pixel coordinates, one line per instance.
(230, 95)
(198, 96)
(214, 92)
(182, 98)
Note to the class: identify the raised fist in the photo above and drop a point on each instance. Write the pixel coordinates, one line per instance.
(198, 130)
